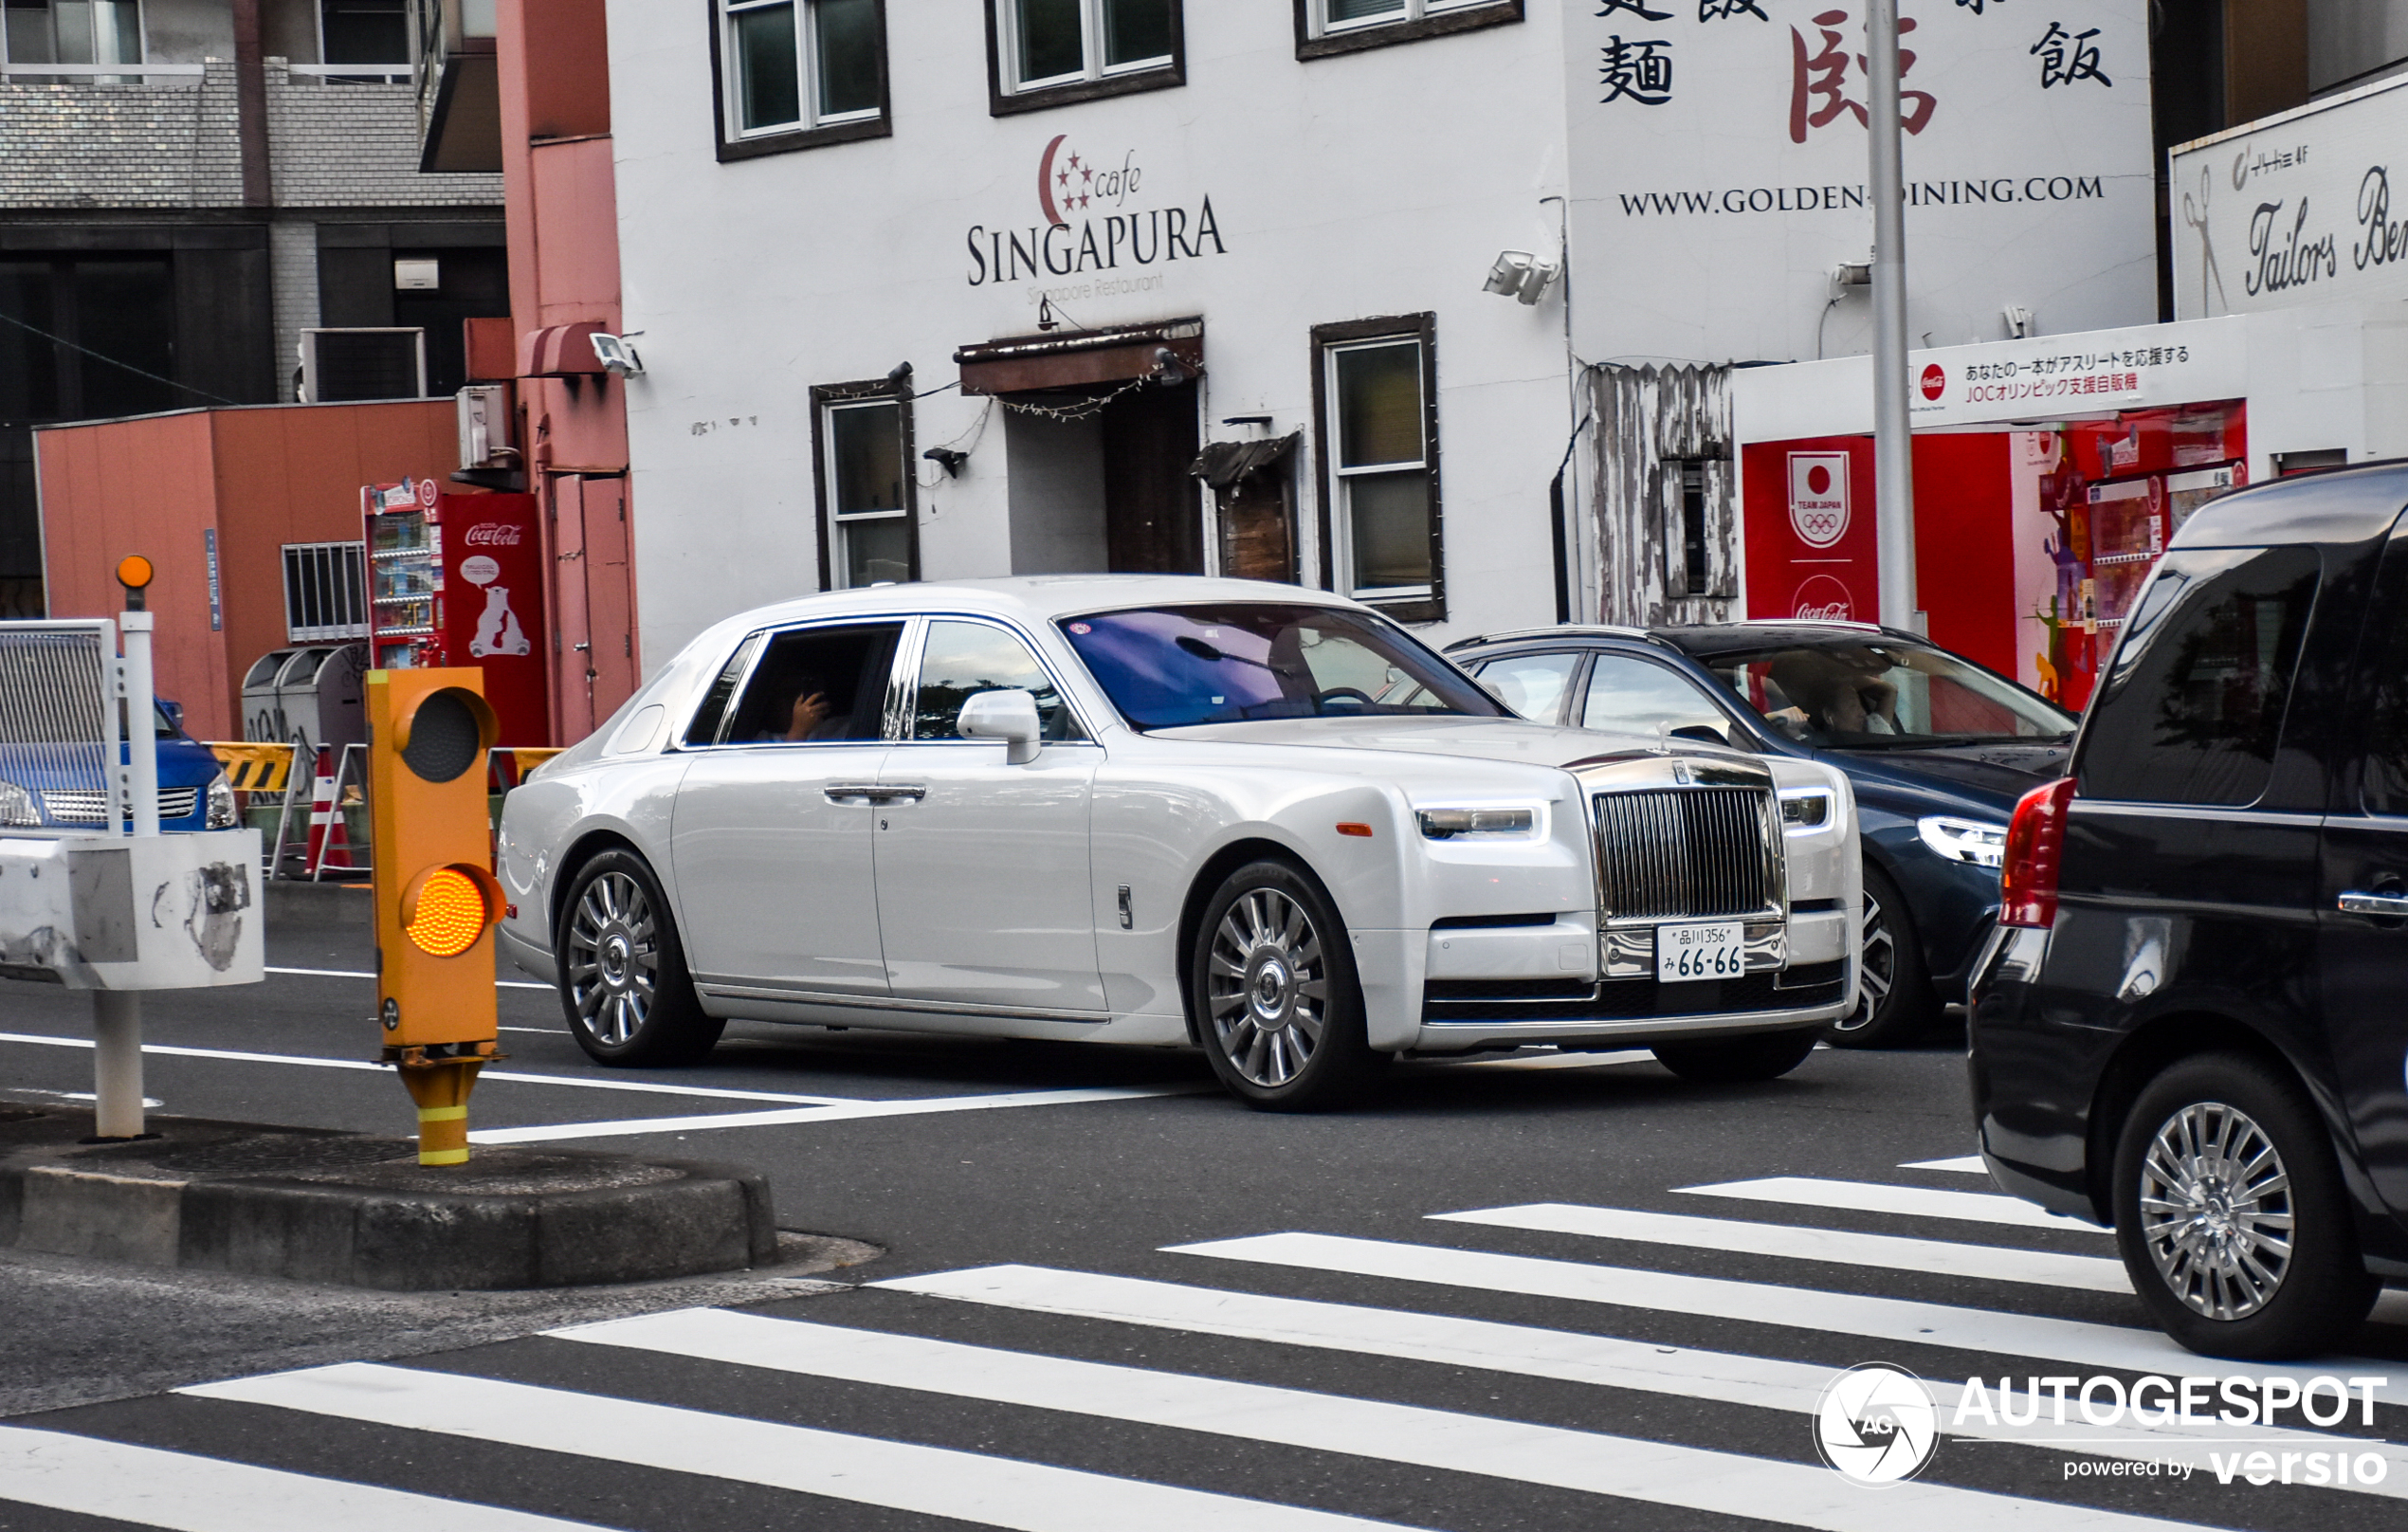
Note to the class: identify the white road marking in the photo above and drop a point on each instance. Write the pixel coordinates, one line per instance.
(1531, 1352)
(515, 1077)
(1912, 1201)
(89, 1477)
(834, 1112)
(2098, 1347)
(931, 1481)
(349, 973)
(1887, 1251)
(1968, 1164)
(1658, 1473)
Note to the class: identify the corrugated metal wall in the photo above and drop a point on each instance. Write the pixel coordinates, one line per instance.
(1650, 421)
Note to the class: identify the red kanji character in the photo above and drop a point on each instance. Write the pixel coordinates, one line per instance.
(1823, 75)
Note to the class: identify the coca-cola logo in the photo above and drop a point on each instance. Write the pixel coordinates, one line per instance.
(1823, 598)
(494, 535)
(1935, 381)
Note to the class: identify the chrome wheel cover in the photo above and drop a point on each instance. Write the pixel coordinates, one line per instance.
(2215, 1210)
(613, 958)
(1266, 987)
(1876, 968)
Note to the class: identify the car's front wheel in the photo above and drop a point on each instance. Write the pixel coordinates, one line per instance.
(1279, 1010)
(623, 984)
(2231, 1216)
(1894, 997)
(1723, 1060)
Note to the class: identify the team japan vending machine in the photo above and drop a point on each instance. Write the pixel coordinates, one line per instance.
(458, 580)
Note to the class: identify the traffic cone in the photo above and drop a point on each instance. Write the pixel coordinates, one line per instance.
(321, 810)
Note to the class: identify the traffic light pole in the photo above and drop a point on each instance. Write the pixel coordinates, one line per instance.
(117, 1015)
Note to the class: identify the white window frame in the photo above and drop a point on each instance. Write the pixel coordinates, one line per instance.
(324, 563)
(839, 521)
(89, 73)
(806, 74)
(1090, 50)
(1413, 10)
(1340, 494)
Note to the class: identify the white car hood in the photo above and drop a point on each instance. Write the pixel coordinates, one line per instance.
(1512, 740)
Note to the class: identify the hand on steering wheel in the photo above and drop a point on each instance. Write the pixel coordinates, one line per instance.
(1321, 699)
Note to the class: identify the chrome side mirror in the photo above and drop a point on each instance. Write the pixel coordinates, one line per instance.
(1010, 716)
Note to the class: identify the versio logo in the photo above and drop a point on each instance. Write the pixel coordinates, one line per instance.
(1877, 1424)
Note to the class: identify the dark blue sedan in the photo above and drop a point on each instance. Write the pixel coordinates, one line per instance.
(1939, 750)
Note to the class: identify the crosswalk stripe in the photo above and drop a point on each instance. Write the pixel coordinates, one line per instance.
(90, 1477)
(1912, 1201)
(1655, 1472)
(934, 1481)
(1889, 1251)
(1965, 1164)
(1606, 1361)
(1894, 1320)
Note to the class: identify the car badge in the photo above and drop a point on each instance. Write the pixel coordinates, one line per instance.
(1681, 773)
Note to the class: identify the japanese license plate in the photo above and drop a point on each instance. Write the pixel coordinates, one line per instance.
(1686, 954)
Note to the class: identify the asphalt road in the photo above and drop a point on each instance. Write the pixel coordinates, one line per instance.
(1084, 1291)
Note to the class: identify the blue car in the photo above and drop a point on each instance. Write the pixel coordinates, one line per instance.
(1939, 750)
(57, 795)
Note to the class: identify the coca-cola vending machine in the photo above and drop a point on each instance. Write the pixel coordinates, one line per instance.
(458, 580)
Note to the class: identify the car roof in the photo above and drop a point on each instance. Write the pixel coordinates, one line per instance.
(1697, 638)
(1032, 598)
(2332, 505)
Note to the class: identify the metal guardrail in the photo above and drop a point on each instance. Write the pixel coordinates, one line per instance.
(390, 74)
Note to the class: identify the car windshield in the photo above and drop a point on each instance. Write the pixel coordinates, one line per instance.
(1165, 668)
(1885, 694)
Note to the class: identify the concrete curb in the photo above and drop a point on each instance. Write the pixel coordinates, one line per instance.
(360, 1212)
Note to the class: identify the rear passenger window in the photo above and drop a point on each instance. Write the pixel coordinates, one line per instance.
(818, 685)
(2192, 709)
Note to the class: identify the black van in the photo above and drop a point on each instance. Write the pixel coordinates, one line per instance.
(2192, 1023)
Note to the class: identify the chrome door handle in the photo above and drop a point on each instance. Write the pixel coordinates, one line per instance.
(2354, 903)
(845, 792)
(909, 792)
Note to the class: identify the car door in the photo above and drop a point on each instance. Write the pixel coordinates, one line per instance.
(772, 837)
(983, 891)
(1628, 694)
(2363, 956)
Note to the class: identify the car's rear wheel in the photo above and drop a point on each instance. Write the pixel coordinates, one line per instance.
(2231, 1216)
(1723, 1060)
(1894, 997)
(623, 984)
(1279, 1008)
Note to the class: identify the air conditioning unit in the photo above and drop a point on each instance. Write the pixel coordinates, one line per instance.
(369, 362)
(484, 427)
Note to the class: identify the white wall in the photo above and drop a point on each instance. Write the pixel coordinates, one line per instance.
(1365, 185)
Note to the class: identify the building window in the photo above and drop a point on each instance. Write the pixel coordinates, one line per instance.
(74, 32)
(796, 74)
(1051, 52)
(1327, 27)
(869, 532)
(364, 32)
(325, 592)
(1377, 382)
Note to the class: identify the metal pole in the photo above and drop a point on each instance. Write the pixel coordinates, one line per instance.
(1894, 447)
(141, 732)
(116, 1064)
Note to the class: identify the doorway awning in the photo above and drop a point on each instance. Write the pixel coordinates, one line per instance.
(1078, 358)
(1223, 463)
(560, 351)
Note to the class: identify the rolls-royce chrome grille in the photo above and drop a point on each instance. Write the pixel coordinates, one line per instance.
(1677, 853)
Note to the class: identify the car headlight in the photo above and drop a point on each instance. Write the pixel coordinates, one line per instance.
(1488, 824)
(221, 804)
(1808, 811)
(16, 806)
(1965, 840)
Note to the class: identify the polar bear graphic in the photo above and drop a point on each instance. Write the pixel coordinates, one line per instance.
(498, 630)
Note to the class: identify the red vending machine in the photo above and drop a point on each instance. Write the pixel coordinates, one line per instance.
(458, 580)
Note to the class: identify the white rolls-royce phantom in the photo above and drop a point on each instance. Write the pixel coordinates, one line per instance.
(1258, 819)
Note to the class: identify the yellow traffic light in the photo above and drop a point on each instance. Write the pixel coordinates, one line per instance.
(436, 898)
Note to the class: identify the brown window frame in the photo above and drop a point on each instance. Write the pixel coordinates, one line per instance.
(1424, 328)
(789, 141)
(1389, 34)
(824, 395)
(1005, 102)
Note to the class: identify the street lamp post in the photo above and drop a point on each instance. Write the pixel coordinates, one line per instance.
(1893, 448)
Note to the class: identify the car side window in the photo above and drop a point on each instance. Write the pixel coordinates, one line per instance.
(2192, 708)
(1635, 696)
(963, 659)
(1531, 685)
(2384, 788)
(817, 686)
(704, 729)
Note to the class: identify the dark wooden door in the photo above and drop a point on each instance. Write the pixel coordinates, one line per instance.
(1153, 516)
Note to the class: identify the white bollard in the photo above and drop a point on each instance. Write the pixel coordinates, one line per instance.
(116, 1064)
